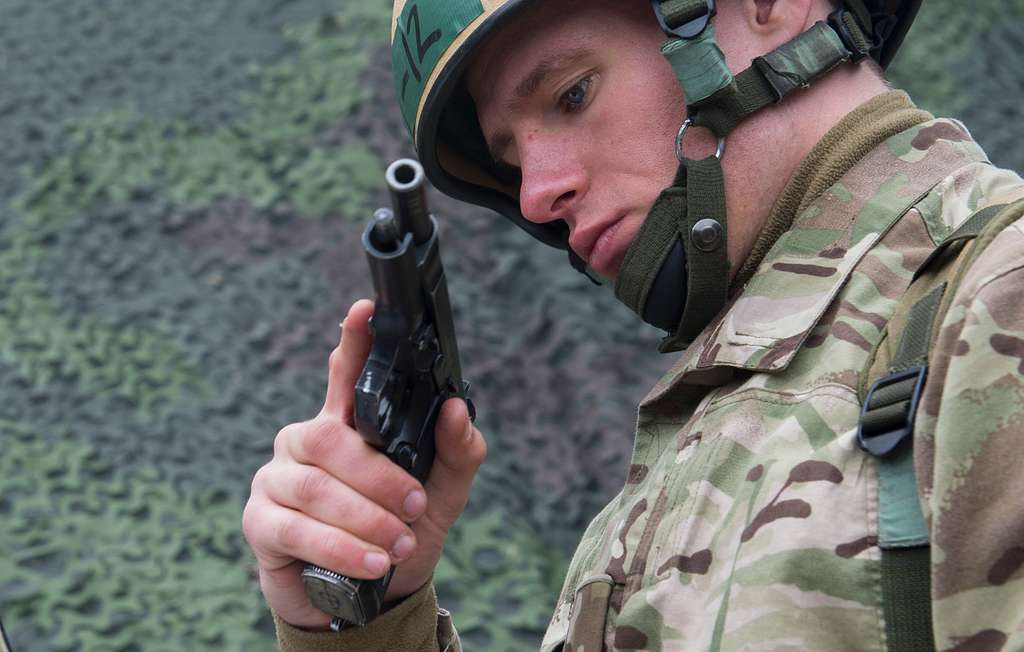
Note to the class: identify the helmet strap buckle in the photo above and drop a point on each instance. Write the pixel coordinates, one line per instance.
(685, 19)
(682, 133)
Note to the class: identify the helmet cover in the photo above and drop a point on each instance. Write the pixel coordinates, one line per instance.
(432, 46)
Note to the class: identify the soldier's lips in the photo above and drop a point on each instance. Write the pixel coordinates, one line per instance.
(606, 256)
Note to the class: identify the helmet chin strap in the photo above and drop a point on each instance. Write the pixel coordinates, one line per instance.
(675, 274)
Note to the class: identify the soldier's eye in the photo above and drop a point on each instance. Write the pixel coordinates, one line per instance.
(576, 96)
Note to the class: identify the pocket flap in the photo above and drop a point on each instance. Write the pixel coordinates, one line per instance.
(589, 614)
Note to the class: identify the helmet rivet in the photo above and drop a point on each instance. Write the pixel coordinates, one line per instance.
(707, 234)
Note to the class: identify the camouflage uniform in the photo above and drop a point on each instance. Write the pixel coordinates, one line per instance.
(749, 519)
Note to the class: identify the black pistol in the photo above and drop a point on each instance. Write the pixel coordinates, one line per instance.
(412, 369)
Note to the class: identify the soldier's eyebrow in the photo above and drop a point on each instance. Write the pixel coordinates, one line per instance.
(545, 68)
(528, 86)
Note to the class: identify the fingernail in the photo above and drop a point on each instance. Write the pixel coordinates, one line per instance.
(376, 562)
(403, 547)
(414, 504)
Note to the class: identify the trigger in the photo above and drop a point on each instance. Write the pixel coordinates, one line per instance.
(469, 402)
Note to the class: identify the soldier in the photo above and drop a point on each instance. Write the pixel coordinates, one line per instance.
(750, 184)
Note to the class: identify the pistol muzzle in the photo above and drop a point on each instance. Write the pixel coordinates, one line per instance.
(406, 181)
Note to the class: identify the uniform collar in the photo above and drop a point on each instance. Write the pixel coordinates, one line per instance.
(768, 322)
(850, 140)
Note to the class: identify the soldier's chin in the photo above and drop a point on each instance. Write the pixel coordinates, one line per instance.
(609, 271)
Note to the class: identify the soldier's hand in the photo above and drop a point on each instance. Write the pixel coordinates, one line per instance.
(330, 499)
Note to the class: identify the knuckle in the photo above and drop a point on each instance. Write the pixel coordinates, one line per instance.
(319, 438)
(259, 529)
(285, 436)
(313, 485)
(287, 534)
(250, 522)
(259, 479)
(334, 360)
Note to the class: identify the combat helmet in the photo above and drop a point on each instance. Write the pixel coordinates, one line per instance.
(433, 43)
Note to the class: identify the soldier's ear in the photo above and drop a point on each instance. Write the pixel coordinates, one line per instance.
(782, 19)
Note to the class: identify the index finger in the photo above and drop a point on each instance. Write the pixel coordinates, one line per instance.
(347, 360)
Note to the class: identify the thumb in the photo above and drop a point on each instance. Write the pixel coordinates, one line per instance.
(460, 450)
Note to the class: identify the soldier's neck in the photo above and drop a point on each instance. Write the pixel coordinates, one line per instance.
(845, 143)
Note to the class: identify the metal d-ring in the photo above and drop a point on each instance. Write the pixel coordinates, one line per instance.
(679, 141)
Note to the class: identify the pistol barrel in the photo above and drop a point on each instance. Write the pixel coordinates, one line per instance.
(406, 181)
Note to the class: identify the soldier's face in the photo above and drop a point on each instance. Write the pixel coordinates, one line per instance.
(585, 106)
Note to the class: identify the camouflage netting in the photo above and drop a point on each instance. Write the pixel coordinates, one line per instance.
(182, 186)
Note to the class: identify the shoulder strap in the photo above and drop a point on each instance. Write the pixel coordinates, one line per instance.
(896, 372)
(922, 307)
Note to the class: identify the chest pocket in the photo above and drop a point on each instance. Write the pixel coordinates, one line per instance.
(589, 615)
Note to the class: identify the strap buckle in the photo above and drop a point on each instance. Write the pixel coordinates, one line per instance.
(688, 30)
(679, 142)
(887, 417)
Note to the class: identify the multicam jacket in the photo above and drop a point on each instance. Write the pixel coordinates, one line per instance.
(749, 520)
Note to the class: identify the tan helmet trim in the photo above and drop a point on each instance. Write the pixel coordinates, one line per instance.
(455, 163)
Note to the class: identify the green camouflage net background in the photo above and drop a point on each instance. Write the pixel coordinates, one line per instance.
(182, 187)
